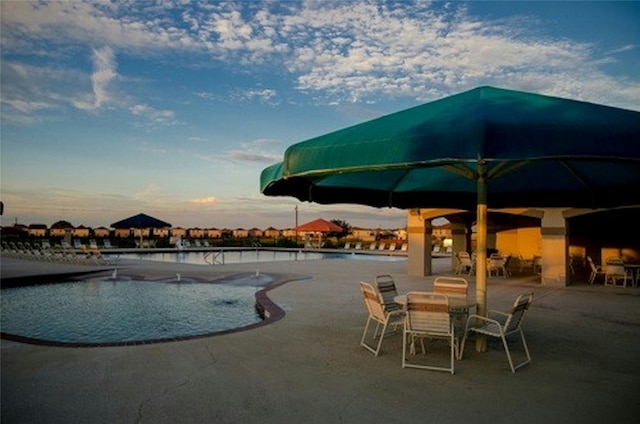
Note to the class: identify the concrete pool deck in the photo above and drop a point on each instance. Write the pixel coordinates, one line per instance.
(309, 367)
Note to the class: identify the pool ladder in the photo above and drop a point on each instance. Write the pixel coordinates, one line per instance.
(214, 258)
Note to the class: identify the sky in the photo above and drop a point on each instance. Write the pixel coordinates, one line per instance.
(173, 108)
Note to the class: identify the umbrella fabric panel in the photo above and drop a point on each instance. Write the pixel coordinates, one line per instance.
(577, 183)
(488, 123)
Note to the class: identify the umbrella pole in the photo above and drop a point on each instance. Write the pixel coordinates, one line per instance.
(481, 250)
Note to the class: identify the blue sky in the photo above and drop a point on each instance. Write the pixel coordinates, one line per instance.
(173, 108)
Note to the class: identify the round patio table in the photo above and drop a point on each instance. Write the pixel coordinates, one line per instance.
(456, 304)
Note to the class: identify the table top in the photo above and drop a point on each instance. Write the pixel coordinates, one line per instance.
(454, 302)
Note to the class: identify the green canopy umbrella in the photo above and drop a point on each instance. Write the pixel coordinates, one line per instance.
(486, 147)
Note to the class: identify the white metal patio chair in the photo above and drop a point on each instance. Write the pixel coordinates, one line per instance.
(387, 289)
(502, 325)
(454, 287)
(498, 264)
(427, 317)
(616, 271)
(379, 315)
(595, 270)
(464, 263)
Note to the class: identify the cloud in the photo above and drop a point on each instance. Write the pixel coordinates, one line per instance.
(158, 116)
(339, 52)
(104, 71)
(204, 200)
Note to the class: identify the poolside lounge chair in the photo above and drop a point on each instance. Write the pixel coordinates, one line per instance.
(347, 246)
(404, 247)
(595, 270)
(502, 325)
(382, 245)
(379, 314)
(107, 244)
(372, 246)
(392, 247)
(358, 246)
(427, 317)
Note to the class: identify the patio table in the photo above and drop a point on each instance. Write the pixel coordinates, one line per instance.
(457, 305)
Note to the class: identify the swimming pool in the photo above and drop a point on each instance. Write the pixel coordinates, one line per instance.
(108, 311)
(220, 257)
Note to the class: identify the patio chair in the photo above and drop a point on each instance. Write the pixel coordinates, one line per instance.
(377, 313)
(347, 246)
(464, 263)
(502, 325)
(427, 317)
(387, 288)
(358, 246)
(498, 264)
(595, 270)
(454, 287)
(392, 247)
(404, 247)
(616, 271)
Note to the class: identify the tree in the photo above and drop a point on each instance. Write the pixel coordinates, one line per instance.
(346, 229)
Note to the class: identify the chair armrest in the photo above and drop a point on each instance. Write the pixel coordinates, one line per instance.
(481, 318)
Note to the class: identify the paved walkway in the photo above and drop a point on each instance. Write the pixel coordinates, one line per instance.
(308, 367)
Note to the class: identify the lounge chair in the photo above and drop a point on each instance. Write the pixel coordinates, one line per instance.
(107, 244)
(372, 246)
(404, 247)
(427, 317)
(347, 246)
(502, 325)
(358, 246)
(382, 245)
(392, 247)
(379, 314)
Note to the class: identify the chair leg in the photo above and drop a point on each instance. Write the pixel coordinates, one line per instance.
(364, 336)
(526, 349)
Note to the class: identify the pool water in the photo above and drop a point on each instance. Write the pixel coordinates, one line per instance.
(103, 311)
(248, 256)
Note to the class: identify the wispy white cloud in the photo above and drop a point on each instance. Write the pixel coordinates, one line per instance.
(157, 116)
(104, 71)
(338, 51)
(202, 201)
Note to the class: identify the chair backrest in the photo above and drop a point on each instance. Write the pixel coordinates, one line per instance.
(451, 286)
(464, 258)
(387, 289)
(520, 306)
(615, 266)
(591, 264)
(496, 261)
(428, 312)
(372, 299)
